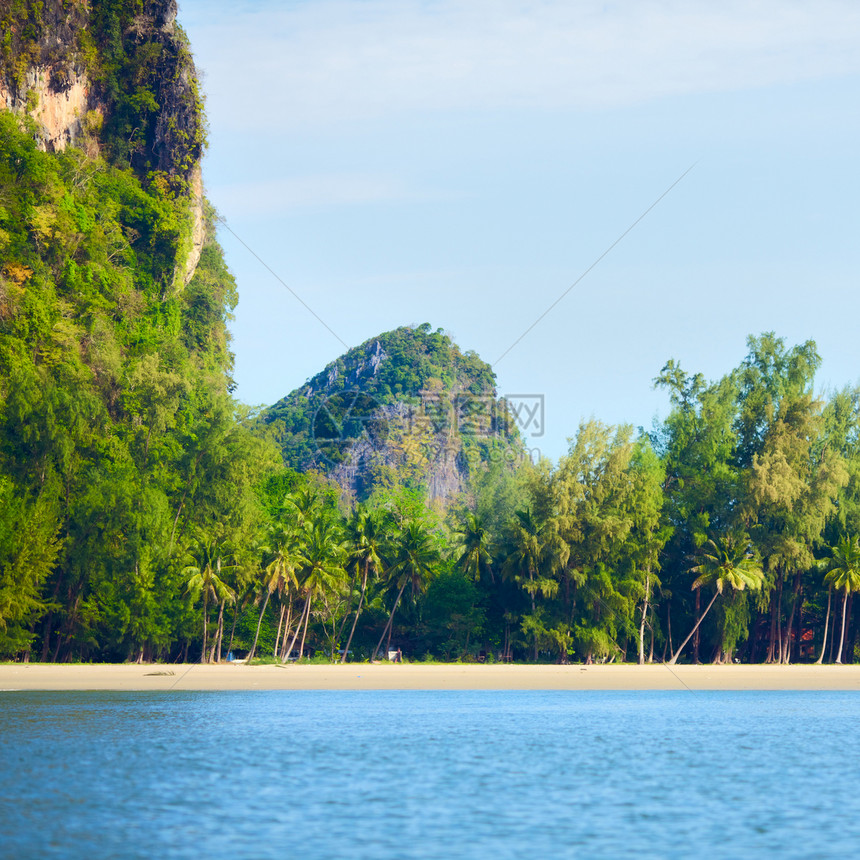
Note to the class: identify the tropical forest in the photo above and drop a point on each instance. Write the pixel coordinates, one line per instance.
(388, 508)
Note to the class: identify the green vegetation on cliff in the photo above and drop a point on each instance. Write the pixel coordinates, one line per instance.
(406, 408)
(146, 108)
(119, 442)
(123, 458)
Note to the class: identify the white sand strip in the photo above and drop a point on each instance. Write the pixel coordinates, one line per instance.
(18, 676)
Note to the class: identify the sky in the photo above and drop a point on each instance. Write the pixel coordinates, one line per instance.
(475, 164)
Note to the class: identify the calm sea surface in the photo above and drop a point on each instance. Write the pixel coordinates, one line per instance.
(429, 774)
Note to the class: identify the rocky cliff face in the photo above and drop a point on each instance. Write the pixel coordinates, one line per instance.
(58, 111)
(43, 72)
(396, 449)
(406, 408)
(120, 79)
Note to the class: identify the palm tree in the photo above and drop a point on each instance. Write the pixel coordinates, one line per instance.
(727, 561)
(365, 537)
(321, 556)
(844, 575)
(280, 572)
(474, 547)
(525, 550)
(535, 549)
(304, 506)
(413, 566)
(206, 578)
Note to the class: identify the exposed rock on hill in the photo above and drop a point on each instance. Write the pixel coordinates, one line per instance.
(43, 71)
(119, 77)
(406, 408)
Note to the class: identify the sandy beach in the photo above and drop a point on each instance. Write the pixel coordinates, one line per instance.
(21, 676)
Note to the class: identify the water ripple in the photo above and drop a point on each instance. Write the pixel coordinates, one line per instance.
(428, 774)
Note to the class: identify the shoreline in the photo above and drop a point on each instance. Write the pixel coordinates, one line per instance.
(406, 676)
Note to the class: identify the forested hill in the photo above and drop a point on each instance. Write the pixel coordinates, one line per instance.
(122, 454)
(405, 408)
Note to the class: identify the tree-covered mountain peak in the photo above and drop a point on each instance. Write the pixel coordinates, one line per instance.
(405, 408)
(404, 363)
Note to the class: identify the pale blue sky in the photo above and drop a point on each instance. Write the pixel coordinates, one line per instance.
(462, 163)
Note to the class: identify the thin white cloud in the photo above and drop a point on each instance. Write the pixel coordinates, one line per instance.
(316, 191)
(329, 61)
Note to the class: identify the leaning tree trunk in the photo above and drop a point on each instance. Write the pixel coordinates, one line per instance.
(305, 609)
(205, 625)
(681, 647)
(390, 621)
(820, 659)
(220, 633)
(388, 643)
(642, 621)
(283, 655)
(833, 611)
(280, 624)
(357, 613)
(774, 652)
(696, 631)
(217, 636)
(775, 603)
(233, 626)
(259, 624)
(785, 647)
(339, 637)
(305, 631)
(669, 632)
(842, 635)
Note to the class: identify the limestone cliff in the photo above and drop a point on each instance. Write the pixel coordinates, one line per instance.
(121, 448)
(406, 408)
(113, 77)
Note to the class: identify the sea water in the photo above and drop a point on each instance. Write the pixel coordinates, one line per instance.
(429, 774)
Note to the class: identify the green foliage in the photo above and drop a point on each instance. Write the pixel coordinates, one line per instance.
(29, 546)
(416, 399)
(451, 615)
(117, 431)
(144, 71)
(143, 511)
(844, 572)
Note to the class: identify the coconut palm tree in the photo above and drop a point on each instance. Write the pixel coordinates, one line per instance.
(726, 561)
(535, 550)
(525, 551)
(844, 575)
(304, 506)
(206, 579)
(414, 560)
(321, 556)
(280, 573)
(474, 547)
(365, 535)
